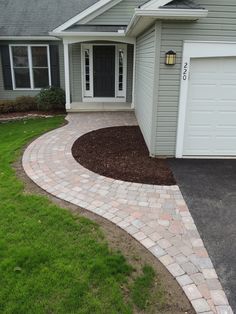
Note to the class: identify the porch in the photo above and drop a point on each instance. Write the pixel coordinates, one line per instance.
(99, 75)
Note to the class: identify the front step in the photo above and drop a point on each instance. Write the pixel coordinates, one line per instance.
(100, 106)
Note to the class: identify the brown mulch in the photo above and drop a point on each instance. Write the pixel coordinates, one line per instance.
(11, 116)
(121, 153)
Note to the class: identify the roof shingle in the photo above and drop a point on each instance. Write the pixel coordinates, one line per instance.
(37, 17)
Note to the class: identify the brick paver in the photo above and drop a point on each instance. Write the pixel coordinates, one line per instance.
(156, 216)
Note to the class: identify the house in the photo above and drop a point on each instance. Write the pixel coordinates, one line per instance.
(172, 62)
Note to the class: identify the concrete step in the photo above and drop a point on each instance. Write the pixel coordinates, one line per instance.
(100, 106)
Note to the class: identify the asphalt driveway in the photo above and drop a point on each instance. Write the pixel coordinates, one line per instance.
(209, 188)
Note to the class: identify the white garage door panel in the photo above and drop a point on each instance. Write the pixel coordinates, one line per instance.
(210, 126)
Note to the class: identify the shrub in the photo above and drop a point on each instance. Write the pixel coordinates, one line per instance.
(25, 103)
(51, 98)
(20, 104)
(6, 106)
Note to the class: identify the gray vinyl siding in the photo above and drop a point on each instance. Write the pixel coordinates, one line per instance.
(76, 73)
(220, 25)
(144, 84)
(130, 58)
(120, 14)
(61, 65)
(12, 94)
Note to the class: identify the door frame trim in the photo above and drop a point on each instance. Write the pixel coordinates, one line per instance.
(191, 50)
(88, 96)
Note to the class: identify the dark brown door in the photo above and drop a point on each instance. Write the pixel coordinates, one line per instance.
(104, 71)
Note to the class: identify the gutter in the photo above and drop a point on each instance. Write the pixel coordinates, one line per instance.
(166, 14)
(29, 38)
(88, 34)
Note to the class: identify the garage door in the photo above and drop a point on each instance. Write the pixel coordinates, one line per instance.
(210, 125)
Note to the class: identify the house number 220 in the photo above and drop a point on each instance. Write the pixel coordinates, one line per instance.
(185, 71)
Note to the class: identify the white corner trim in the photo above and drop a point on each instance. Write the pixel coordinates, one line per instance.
(196, 49)
(134, 77)
(67, 74)
(94, 10)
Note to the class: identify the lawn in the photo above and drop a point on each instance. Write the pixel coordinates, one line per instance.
(50, 260)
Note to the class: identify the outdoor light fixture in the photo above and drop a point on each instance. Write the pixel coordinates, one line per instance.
(170, 58)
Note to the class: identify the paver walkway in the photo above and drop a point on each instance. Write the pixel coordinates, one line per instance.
(157, 216)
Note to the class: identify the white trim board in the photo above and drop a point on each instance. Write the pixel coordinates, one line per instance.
(196, 50)
(83, 39)
(88, 14)
(88, 34)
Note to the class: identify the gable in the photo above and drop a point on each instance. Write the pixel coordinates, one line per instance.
(120, 14)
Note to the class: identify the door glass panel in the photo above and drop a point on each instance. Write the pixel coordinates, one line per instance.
(121, 65)
(87, 69)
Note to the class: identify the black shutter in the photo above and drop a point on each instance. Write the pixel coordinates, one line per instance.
(6, 67)
(54, 61)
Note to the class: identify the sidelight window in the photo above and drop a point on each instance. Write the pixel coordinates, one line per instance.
(87, 70)
(121, 70)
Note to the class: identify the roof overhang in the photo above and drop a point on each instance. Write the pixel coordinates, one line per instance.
(29, 37)
(87, 34)
(143, 18)
(72, 37)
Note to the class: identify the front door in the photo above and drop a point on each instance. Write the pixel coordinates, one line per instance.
(104, 71)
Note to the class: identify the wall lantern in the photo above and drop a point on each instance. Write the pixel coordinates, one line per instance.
(170, 58)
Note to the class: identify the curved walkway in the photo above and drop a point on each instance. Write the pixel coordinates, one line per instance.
(156, 216)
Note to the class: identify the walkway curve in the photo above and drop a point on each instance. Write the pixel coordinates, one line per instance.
(156, 216)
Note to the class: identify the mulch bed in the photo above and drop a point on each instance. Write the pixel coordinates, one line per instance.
(30, 114)
(121, 153)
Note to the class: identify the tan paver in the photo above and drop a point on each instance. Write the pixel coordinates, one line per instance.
(157, 216)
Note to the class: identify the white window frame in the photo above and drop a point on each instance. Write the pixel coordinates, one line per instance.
(87, 93)
(30, 64)
(191, 50)
(120, 96)
(121, 93)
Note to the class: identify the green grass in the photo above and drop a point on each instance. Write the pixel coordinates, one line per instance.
(50, 260)
(141, 290)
